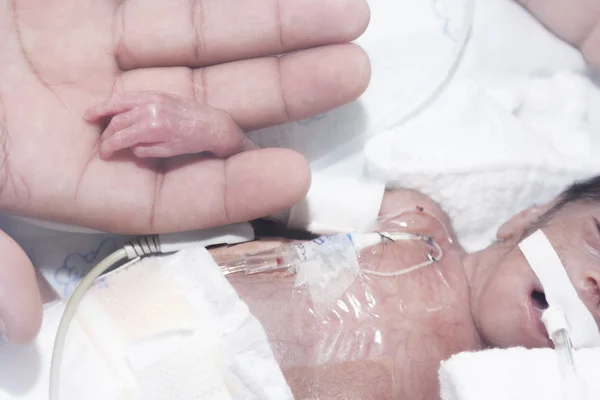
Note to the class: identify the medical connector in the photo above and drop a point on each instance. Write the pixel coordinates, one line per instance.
(557, 326)
(285, 258)
(289, 258)
(276, 259)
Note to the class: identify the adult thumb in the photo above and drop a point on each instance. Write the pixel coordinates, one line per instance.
(20, 299)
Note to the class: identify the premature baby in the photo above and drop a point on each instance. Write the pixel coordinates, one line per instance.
(385, 336)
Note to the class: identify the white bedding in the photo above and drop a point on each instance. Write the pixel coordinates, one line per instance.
(406, 40)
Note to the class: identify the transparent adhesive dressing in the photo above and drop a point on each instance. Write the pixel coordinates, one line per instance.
(328, 265)
(337, 309)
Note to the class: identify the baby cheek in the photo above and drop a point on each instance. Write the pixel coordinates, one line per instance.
(504, 318)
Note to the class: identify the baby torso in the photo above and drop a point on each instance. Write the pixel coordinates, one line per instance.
(384, 337)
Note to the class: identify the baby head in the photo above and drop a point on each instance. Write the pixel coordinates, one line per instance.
(507, 298)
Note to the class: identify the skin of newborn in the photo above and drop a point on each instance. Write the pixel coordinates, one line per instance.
(158, 124)
(386, 336)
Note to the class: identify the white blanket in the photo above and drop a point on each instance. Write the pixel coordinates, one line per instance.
(162, 328)
(516, 374)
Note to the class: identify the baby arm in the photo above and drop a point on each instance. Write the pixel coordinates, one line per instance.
(155, 124)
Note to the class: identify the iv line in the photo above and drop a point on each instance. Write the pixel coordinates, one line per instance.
(432, 259)
(285, 258)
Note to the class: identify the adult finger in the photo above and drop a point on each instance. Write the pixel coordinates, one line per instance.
(20, 299)
(246, 186)
(153, 33)
(189, 192)
(266, 91)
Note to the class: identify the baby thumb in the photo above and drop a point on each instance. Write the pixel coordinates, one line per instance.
(20, 300)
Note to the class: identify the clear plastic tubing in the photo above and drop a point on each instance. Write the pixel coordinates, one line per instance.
(557, 326)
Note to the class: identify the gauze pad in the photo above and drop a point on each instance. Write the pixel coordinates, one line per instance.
(559, 290)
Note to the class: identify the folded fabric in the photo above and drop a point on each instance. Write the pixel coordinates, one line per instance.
(515, 374)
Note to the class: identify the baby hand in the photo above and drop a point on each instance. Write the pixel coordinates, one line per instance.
(155, 124)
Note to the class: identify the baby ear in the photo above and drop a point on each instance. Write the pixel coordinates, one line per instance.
(516, 226)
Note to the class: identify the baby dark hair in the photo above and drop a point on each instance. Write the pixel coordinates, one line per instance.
(585, 191)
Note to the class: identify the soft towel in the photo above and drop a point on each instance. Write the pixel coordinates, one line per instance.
(514, 374)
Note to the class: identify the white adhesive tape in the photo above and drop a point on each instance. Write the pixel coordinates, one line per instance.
(559, 290)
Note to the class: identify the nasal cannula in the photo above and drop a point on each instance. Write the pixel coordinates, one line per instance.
(557, 326)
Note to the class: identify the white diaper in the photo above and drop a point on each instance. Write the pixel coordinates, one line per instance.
(163, 328)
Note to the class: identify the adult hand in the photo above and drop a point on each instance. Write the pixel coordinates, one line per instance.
(58, 59)
(575, 21)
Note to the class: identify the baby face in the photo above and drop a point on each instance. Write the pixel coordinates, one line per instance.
(507, 298)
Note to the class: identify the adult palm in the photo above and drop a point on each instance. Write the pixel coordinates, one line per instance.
(57, 59)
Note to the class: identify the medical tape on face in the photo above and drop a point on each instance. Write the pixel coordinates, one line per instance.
(559, 290)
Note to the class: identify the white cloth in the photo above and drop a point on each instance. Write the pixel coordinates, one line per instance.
(514, 374)
(485, 154)
(338, 204)
(162, 328)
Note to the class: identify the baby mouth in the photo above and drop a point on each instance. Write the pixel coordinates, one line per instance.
(539, 300)
(538, 305)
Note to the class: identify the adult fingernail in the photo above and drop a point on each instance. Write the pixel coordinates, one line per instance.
(249, 145)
